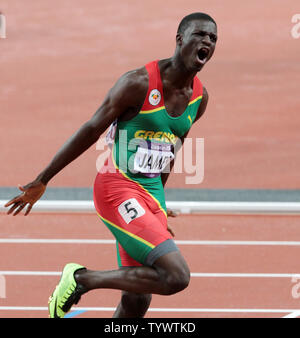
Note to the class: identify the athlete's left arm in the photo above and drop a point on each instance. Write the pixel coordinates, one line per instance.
(201, 110)
(203, 104)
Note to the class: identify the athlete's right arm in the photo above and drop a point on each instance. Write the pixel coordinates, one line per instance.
(127, 93)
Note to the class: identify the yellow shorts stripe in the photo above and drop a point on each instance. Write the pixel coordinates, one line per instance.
(127, 232)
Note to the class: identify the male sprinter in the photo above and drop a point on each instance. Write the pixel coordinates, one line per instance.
(149, 109)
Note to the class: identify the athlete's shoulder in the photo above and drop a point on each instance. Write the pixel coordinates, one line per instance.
(135, 79)
(204, 94)
(131, 87)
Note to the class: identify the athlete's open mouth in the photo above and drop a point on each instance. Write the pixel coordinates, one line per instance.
(203, 54)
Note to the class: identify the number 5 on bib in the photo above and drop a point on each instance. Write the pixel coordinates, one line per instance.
(130, 210)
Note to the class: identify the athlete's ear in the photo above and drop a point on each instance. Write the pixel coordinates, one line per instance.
(179, 39)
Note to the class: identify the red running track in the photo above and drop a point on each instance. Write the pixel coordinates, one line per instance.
(48, 75)
(242, 295)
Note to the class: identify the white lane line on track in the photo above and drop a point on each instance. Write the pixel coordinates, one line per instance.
(44, 308)
(294, 314)
(55, 241)
(193, 274)
(246, 275)
(112, 241)
(185, 207)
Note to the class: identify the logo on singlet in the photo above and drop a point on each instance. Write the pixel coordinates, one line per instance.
(154, 97)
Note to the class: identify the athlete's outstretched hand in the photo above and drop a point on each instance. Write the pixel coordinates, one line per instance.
(171, 213)
(30, 194)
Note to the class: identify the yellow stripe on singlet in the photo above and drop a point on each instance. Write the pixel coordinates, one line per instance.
(163, 107)
(152, 110)
(195, 100)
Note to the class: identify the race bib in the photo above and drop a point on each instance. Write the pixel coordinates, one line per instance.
(152, 158)
(130, 210)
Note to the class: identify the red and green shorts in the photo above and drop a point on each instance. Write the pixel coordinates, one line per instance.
(135, 218)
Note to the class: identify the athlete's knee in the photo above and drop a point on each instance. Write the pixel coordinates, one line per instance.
(135, 304)
(176, 281)
(174, 272)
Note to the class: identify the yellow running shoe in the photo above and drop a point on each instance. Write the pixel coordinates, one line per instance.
(66, 293)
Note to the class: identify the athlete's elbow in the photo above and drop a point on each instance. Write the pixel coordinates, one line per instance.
(91, 131)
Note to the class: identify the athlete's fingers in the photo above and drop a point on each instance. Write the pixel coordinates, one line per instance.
(16, 199)
(21, 187)
(172, 213)
(28, 210)
(20, 208)
(17, 204)
(171, 230)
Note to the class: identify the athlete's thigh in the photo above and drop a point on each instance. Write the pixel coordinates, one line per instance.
(172, 262)
(136, 228)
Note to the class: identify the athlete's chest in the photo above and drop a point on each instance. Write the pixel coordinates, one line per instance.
(176, 100)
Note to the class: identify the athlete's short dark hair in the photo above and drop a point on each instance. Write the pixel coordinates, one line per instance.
(192, 17)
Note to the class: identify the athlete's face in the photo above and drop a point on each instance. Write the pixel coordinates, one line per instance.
(197, 44)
